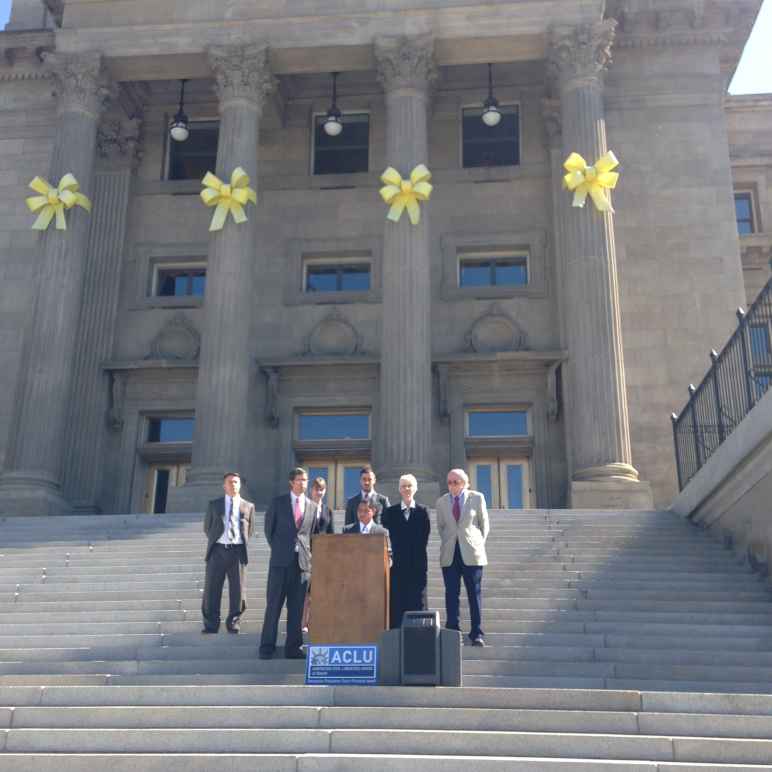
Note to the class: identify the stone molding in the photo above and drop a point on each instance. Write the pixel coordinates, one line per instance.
(580, 55)
(56, 9)
(689, 22)
(117, 401)
(242, 72)
(82, 83)
(405, 63)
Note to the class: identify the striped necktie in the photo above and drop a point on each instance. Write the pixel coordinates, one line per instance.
(233, 523)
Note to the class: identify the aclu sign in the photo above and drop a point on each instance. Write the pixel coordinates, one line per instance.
(336, 665)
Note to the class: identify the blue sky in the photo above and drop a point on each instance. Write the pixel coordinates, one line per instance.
(754, 75)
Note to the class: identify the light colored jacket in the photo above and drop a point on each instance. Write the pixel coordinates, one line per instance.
(470, 531)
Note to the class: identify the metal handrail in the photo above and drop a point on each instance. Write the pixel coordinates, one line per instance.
(737, 379)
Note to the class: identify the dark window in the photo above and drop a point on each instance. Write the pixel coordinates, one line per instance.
(170, 429)
(493, 272)
(491, 145)
(348, 152)
(181, 282)
(335, 426)
(498, 423)
(342, 277)
(161, 491)
(743, 210)
(197, 155)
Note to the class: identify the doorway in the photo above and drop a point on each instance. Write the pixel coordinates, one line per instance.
(160, 478)
(505, 482)
(342, 476)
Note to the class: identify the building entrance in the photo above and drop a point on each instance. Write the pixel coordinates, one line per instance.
(160, 478)
(342, 476)
(505, 482)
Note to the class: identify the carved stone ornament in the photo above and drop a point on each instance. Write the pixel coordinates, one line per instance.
(496, 331)
(115, 420)
(581, 53)
(242, 71)
(178, 339)
(120, 139)
(81, 80)
(442, 370)
(333, 336)
(271, 411)
(405, 62)
(553, 123)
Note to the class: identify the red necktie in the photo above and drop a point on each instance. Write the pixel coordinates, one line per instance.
(456, 509)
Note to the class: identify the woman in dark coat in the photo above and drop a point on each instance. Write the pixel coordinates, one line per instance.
(408, 526)
(323, 524)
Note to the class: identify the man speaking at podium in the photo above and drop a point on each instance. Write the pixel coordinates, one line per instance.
(366, 523)
(289, 522)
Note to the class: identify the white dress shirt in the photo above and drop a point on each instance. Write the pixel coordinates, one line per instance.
(235, 503)
(365, 528)
(406, 509)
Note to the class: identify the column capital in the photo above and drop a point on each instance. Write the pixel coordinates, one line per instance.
(82, 82)
(579, 56)
(119, 141)
(405, 62)
(242, 72)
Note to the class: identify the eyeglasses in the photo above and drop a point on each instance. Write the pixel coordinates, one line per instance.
(455, 482)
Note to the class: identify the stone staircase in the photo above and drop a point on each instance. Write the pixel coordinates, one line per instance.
(624, 640)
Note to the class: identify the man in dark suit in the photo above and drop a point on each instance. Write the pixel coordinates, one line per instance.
(228, 524)
(367, 493)
(408, 526)
(289, 523)
(366, 523)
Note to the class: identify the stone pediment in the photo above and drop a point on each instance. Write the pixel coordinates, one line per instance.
(178, 339)
(496, 331)
(334, 335)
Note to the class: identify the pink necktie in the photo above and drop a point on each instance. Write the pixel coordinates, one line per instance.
(456, 509)
(298, 514)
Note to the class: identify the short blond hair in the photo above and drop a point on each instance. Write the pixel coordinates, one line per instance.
(408, 478)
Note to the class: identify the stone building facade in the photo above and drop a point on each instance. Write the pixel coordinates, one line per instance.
(541, 346)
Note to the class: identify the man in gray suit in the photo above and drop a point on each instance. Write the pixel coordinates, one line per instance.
(462, 520)
(289, 523)
(367, 492)
(228, 524)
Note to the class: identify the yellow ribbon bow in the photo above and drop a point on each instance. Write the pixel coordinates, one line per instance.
(405, 194)
(593, 180)
(227, 198)
(54, 201)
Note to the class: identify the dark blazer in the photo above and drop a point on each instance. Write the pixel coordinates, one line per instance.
(214, 525)
(325, 521)
(382, 502)
(282, 534)
(409, 540)
(376, 529)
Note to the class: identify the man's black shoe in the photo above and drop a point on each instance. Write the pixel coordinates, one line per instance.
(266, 655)
(207, 631)
(233, 630)
(299, 654)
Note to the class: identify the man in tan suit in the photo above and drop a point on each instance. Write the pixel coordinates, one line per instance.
(462, 520)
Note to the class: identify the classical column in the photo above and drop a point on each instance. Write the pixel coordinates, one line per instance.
(242, 78)
(406, 69)
(85, 478)
(603, 475)
(32, 483)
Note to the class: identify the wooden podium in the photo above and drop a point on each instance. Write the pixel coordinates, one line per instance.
(349, 588)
